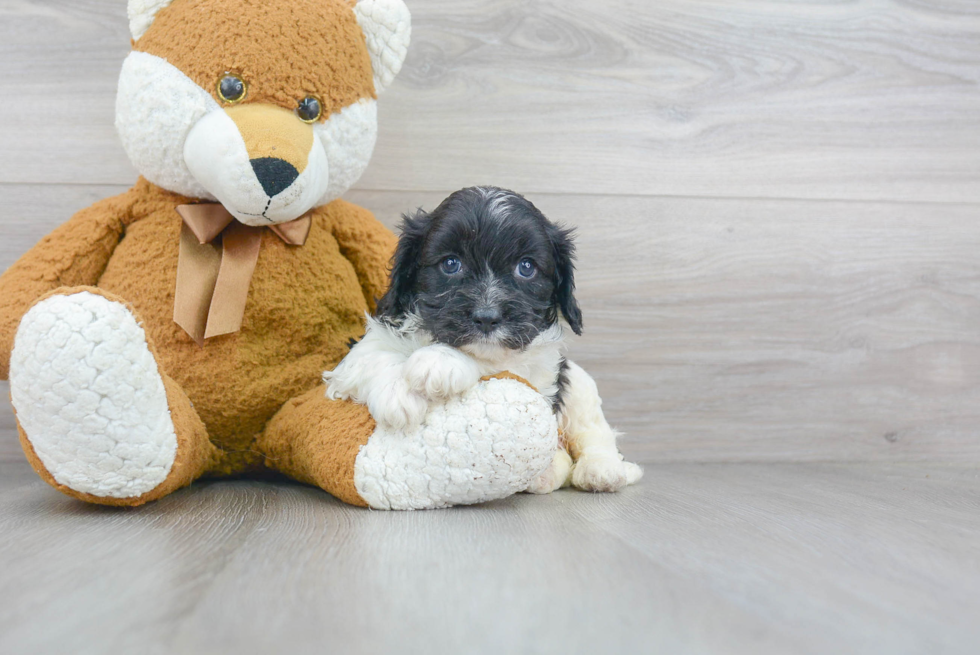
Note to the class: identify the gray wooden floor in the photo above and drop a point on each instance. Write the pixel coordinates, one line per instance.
(700, 558)
(778, 208)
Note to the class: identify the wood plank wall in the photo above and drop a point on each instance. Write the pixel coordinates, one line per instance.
(778, 203)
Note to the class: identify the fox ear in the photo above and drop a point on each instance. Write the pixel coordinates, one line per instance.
(387, 27)
(141, 15)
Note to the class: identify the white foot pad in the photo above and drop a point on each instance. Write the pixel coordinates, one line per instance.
(90, 398)
(486, 444)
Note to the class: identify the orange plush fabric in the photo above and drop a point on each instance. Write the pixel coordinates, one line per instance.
(304, 305)
(116, 404)
(316, 440)
(195, 453)
(205, 38)
(74, 254)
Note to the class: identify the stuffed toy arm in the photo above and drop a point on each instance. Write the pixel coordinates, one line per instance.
(366, 244)
(75, 254)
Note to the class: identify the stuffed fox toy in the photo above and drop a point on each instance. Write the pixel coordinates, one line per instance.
(180, 330)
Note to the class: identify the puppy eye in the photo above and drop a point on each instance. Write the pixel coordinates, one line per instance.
(309, 109)
(526, 268)
(232, 88)
(451, 265)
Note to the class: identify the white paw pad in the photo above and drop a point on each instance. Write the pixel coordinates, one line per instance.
(90, 398)
(488, 443)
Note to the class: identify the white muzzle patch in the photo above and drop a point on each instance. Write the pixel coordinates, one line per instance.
(216, 156)
(179, 138)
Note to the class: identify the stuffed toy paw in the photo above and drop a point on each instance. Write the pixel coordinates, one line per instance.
(486, 444)
(99, 421)
(180, 329)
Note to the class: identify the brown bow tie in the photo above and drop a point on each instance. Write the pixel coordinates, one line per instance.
(213, 282)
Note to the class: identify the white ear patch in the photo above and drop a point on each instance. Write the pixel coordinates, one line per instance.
(348, 138)
(141, 15)
(387, 26)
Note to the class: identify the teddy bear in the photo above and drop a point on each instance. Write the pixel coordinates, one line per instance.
(180, 329)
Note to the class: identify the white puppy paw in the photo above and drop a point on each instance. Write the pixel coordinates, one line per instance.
(604, 473)
(554, 477)
(439, 372)
(396, 406)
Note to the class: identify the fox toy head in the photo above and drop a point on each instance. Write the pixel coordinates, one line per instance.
(267, 106)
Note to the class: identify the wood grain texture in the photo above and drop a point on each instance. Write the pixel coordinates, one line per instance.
(700, 558)
(741, 330)
(61, 61)
(760, 98)
(730, 327)
(751, 330)
(867, 100)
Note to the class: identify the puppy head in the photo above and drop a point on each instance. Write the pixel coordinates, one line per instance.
(485, 269)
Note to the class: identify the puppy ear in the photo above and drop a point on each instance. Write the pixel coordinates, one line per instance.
(564, 250)
(405, 265)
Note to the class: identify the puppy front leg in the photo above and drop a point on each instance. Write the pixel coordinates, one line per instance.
(372, 374)
(591, 440)
(439, 372)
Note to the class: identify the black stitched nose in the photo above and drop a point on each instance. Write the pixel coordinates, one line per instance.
(274, 174)
(487, 319)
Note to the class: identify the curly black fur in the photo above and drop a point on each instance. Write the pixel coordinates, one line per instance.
(489, 231)
(558, 401)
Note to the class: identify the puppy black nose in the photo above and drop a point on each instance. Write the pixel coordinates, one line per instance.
(487, 319)
(274, 174)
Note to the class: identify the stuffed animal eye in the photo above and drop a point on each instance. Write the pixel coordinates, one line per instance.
(451, 265)
(309, 110)
(232, 88)
(526, 268)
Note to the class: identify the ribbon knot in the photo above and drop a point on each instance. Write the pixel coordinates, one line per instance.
(213, 281)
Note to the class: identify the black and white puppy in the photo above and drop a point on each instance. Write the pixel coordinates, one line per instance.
(481, 285)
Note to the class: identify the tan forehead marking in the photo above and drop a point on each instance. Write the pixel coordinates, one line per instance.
(284, 50)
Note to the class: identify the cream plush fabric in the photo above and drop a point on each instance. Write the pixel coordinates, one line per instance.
(117, 405)
(84, 383)
(488, 443)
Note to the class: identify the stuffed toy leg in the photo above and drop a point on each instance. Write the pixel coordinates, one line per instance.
(487, 444)
(99, 421)
(232, 275)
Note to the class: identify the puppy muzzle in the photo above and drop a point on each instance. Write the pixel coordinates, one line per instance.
(487, 319)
